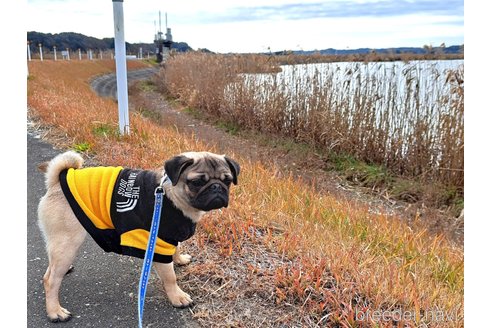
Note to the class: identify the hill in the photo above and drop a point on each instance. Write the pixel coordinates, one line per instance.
(455, 49)
(75, 41)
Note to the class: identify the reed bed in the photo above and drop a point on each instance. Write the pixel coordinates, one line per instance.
(282, 254)
(289, 58)
(408, 117)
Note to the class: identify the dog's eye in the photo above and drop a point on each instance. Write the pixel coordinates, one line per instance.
(227, 181)
(197, 182)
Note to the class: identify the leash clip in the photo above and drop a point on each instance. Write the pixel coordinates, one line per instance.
(159, 190)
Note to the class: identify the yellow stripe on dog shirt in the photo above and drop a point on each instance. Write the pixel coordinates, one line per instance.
(138, 238)
(92, 188)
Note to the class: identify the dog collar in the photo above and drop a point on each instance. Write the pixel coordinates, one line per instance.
(165, 179)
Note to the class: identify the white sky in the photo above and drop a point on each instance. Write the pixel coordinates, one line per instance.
(255, 26)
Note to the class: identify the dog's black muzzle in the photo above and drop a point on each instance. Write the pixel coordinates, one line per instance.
(215, 196)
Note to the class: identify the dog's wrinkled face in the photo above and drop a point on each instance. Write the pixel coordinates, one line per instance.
(203, 178)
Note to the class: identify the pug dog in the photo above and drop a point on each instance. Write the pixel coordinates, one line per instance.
(115, 206)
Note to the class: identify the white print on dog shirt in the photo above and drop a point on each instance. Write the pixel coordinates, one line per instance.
(126, 189)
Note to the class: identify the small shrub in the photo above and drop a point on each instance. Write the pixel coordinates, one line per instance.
(105, 130)
(229, 127)
(82, 147)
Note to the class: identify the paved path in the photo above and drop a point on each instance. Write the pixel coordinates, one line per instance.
(102, 289)
(105, 85)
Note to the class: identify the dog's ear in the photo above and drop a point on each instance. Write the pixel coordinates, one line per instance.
(235, 168)
(175, 167)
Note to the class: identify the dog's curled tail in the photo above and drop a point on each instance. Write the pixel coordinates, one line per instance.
(52, 169)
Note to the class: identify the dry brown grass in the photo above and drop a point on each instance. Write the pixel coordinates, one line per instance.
(282, 254)
(415, 129)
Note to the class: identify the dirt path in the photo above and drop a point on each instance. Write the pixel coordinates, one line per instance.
(105, 85)
(306, 167)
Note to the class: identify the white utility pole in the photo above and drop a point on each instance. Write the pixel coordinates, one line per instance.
(68, 54)
(41, 52)
(121, 77)
(80, 55)
(54, 51)
(28, 50)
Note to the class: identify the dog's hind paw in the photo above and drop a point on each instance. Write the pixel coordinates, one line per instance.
(63, 315)
(182, 259)
(70, 270)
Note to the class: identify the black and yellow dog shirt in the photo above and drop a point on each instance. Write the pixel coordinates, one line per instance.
(115, 206)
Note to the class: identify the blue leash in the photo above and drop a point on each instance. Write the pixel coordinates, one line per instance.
(149, 253)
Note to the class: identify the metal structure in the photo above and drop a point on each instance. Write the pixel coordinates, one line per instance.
(163, 45)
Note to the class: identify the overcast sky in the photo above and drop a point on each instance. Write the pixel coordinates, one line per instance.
(257, 25)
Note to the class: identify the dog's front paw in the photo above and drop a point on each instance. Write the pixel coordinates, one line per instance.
(182, 259)
(61, 315)
(179, 298)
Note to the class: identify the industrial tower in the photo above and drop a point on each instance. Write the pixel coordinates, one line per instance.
(163, 46)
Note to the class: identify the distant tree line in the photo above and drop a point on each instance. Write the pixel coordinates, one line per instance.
(75, 41)
(427, 52)
(426, 49)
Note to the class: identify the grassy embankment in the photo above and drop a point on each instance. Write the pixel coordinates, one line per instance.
(334, 259)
